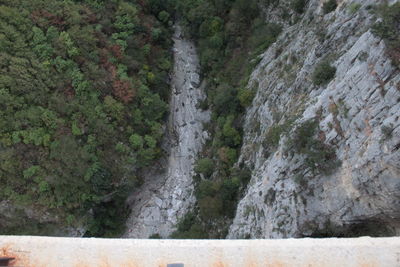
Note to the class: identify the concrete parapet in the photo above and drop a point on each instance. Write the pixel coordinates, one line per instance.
(30, 251)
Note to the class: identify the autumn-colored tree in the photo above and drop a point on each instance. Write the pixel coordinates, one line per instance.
(123, 90)
(116, 51)
(43, 17)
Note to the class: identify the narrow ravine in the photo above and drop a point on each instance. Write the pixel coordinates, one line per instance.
(168, 191)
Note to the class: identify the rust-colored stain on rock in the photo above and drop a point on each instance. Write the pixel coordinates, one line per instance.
(104, 262)
(131, 264)
(219, 264)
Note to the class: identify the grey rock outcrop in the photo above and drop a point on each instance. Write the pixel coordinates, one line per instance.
(358, 115)
(168, 192)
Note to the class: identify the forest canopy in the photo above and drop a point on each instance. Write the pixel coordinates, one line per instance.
(83, 94)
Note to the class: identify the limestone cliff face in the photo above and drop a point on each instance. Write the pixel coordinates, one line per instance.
(357, 116)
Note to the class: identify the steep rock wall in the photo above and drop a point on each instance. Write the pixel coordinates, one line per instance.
(358, 116)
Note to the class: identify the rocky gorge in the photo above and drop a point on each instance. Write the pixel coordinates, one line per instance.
(324, 156)
(168, 195)
(238, 119)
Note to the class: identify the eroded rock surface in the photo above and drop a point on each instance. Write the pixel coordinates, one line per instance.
(358, 115)
(167, 194)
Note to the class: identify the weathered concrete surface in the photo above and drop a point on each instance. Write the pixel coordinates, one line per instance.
(168, 192)
(75, 252)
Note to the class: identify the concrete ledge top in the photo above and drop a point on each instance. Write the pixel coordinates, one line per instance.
(32, 251)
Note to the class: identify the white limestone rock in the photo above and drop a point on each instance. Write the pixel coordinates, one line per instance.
(364, 96)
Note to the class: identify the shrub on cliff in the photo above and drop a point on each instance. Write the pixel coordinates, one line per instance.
(204, 166)
(246, 96)
(298, 5)
(323, 73)
(389, 29)
(319, 157)
(189, 228)
(329, 6)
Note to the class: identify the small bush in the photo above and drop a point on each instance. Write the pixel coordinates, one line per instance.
(320, 157)
(243, 174)
(227, 155)
(303, 136)
(189, 228)
(387, 131)
(204, 166)
(300, 180)
(231, 136)
(389, 29)
(273, 136)
(263, 36)
(218, 199)
(202, 104)
(229, 196)
(329, 6)
(246, 96)
(207, 188)
(298, 5)
(225, 100)
(271, 2)
(270, 197)
(155, 236)
(210, 207)
(354, 7)
(163, 16)
(323, 73)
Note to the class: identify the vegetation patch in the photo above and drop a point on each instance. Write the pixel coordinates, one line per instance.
(83, 86)
(273, 136)
(217, 198)
(387, 131)
(369, 227)
(190, 227)
(270, 197)
(204, 166)
(274, 133)
(320, 158)
(329, 6)
(230, 36)
(298, 5)
(389, 29)
(354, 7)
(323, 73)
(246, 96)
